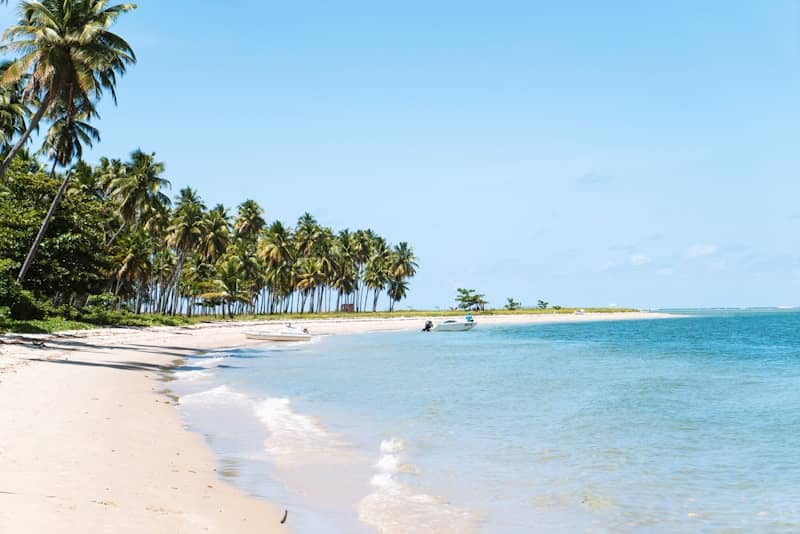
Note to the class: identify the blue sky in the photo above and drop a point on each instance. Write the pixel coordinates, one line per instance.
(588, 153)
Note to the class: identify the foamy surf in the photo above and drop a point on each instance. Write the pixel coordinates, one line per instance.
(394, 507)
(218, 395)
(209, 363)
(193, 375)
(293, 436)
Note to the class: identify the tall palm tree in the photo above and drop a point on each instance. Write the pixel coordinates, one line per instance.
(404, 263)
(184, 234)
(216, 234)
(230, 284)
(137, 187)
(362, 250)
(249, 220)
(306, 234)
(277, 247)
(68, 56)
(135, 264)
(398, 288)
(13, 111)
(64, 142)
(375, 278)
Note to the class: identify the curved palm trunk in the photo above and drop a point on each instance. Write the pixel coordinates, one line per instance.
(38, 240)
(33, 125)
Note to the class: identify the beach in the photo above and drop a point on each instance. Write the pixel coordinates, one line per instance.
(91, 440)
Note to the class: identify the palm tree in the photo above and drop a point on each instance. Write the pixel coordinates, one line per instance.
(184, 234)
(398, 288)
(64, 142)
(137, 187)
(249, 220)
(135, 264)
(306, 234)
(276, 248)
(68, 57)
(404, 264)
(216, 234)
(231, 284)
(375, 278)
(13, 112)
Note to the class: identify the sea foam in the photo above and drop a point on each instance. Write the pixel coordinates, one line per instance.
(395, 507)
(218, 395)
(293, 435)
(193, 375)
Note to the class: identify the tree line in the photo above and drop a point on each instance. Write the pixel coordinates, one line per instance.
(76, 234)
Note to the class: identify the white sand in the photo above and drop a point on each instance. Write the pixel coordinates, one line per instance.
(91, 442)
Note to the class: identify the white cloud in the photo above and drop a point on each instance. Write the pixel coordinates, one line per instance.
(639, 259)
(699, 251)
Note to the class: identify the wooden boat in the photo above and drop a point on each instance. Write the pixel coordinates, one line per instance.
(288, 333)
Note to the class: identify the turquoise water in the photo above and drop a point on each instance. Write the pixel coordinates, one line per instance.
(688, 424)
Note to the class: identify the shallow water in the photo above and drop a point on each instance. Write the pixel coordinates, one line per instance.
(630, 426)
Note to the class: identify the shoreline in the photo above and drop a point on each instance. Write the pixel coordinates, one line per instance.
(92, 441)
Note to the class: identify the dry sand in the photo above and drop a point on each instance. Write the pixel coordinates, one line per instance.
(90, 440)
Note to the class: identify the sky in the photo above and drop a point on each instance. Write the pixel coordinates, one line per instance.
(622, 153)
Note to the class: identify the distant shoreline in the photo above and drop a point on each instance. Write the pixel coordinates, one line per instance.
(126, 320)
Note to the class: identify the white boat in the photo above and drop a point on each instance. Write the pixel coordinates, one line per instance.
(454, 326)
(288, 333)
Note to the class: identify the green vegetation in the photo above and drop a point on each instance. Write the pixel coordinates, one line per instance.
(106, 245)
(512, 304)
(542, 304)
(469, 299)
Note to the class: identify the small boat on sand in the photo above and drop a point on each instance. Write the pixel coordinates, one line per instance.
(454, 326)
(288, 333)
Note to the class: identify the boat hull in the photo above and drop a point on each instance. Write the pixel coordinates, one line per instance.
(454, 327)
(277, 336)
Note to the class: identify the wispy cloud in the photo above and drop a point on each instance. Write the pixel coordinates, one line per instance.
(638, 259)
(593, 179)
(701, 250)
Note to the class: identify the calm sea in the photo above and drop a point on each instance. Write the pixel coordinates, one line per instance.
(689, 425)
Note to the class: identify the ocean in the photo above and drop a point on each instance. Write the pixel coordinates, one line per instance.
(678, 425)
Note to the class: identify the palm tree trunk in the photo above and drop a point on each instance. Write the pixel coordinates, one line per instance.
(38, 240)
(116, 234)
(33, 125)
(139, 300)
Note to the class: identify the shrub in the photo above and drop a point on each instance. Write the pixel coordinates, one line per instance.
(25, 308)
(20, 303)
(103, 301)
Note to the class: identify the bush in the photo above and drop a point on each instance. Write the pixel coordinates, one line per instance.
(103, 301)
(20, 303)
(25, 308)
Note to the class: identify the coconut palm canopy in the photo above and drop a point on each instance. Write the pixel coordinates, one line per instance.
(127, 240)
(67, 57)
